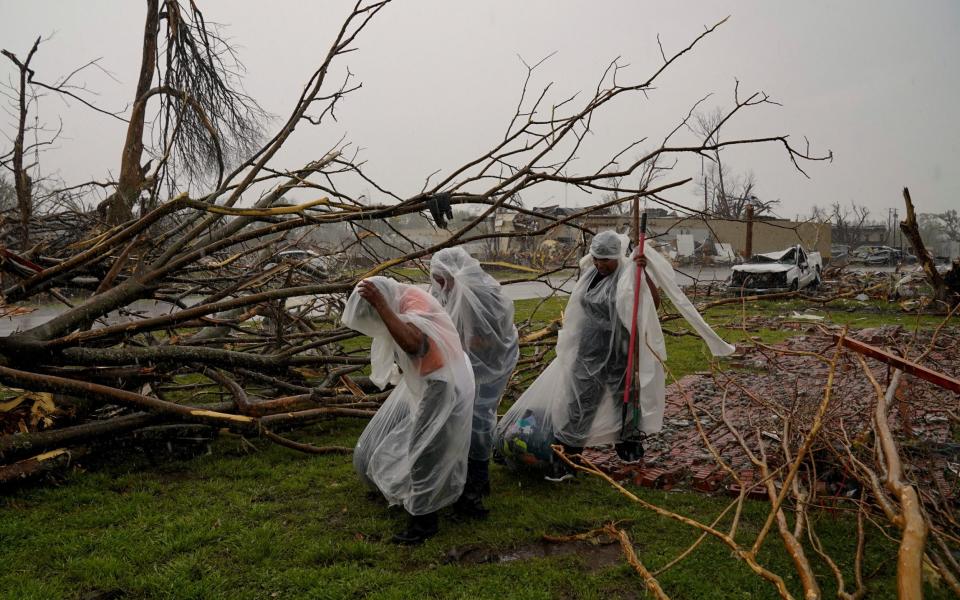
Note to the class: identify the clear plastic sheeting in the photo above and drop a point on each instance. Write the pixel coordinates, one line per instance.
(414, 450)
(606, 245)
(577, 400)
(483, 317)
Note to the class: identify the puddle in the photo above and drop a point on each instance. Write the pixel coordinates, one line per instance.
(594, 556)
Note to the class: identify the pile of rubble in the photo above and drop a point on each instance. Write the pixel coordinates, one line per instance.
(782, 384)
(909, 286)
(906, 283)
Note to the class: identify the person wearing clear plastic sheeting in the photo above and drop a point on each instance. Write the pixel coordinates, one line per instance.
(483, 317)
(601, 360)
(577, 401)
(414, 450)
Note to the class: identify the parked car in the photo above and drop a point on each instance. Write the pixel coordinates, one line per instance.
(839, 249)
(839, 255)
(787, 270)
(886, 256)
(861, 252)
(890, 256)
(877, 256)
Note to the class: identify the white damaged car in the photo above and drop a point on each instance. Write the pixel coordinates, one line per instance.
(784, 271)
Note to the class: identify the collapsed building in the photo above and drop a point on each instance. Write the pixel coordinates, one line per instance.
(683, 239)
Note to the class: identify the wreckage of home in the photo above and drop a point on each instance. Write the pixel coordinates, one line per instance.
(684, 239)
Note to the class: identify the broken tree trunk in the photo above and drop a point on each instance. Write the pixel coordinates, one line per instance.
(909, 227)
(42, 463)
(16, 444)
(21, 180)
(120, 209)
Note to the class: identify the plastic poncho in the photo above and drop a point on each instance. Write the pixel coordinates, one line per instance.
(577, 400)
(483, 317)
(414, 450)
(607, 245)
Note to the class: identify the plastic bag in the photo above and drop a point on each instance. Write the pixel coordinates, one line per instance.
(414, 450)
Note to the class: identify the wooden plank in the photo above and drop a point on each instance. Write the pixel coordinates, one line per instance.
(934, 377)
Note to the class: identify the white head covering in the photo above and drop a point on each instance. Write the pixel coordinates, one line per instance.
(606, 245)
(481, 313)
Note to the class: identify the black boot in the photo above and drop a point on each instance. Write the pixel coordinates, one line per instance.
(560, 470)
(419, 529)
(630, 451)
(470, 507)
(376, 497)
(470, 503)
(483, 479)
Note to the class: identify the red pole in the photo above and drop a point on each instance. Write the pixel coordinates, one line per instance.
(636, 305)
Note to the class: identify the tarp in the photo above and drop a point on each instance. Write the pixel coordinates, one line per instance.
(685, 245)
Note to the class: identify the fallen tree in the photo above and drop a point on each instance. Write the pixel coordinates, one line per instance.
(247, 340)
(155, 291)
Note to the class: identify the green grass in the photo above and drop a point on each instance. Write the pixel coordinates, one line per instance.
(409, 274)
(239, 525)
(277, 524)
(539, 312)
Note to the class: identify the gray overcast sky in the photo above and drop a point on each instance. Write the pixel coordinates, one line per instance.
(875, 81)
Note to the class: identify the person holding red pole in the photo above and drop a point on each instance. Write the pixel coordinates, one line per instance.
(582, 399)
(600, 365)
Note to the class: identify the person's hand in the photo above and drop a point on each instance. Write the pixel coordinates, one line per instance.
(372, 294)
(641, 260)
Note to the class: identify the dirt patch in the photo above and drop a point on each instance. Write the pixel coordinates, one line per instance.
(594, 556)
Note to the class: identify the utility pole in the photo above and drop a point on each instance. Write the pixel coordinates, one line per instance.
(890, 232)
(748, 244)
(638, 234)
(898, 239)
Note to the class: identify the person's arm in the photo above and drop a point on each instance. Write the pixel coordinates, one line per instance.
(654, 292)
(408, 336)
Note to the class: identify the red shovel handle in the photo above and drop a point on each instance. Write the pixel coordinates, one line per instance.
(636, 304)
